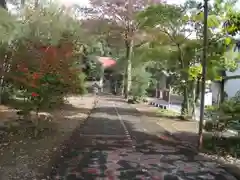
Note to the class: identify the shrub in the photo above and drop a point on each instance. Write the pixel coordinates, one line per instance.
(140, 81)
(222, 117)
(46, 56)
(209, 125)
(41, 57)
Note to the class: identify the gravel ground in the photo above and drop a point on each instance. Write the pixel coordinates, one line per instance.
(23, 157)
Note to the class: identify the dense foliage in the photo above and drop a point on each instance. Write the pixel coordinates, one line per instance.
(175, 52)
(41, 57)
(43, 60)
(141, 79)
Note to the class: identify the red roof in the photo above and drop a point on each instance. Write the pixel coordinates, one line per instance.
(106, 61)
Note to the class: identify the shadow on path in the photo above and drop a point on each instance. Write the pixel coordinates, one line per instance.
(90, 158)
(134, 112)
(114, 156)
(116, 100)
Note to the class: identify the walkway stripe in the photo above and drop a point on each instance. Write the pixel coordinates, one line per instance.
(103, 135)
(124, 126)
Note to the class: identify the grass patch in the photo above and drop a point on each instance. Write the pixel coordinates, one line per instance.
(17, 103)
(21, 103)
(168, 113)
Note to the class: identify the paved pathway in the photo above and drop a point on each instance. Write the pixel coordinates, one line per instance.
(116, 143)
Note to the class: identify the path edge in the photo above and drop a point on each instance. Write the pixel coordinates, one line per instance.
(230, 168)
(65, 146)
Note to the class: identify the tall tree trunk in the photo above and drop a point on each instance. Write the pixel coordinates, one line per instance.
(222, 92)
(157, 88)
(197, 90)
(193, 99)
(3, 4)
(36, 3)
(128, 72)
(129, 46)
(1, 88)
(125, 86)
(4, 67)
(22, 3)
(184, 74)
(123, 83)
(185, 103)
(2, 71)
(129, 77)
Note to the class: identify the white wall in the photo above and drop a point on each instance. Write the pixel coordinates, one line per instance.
(215, 88)
(162, 82)
(232, 86)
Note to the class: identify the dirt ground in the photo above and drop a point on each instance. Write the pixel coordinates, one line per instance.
(24, 157)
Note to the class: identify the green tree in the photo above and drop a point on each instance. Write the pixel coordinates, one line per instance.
(232, 24)
(24, 42)
(102, 40)
(141, 79)
(183, 55)
(223, 42)
(122, 13)
(170, 21)
(9, 32)
(3, 4)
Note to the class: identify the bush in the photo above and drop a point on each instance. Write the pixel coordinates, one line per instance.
(222, 117)
(44, 56)
(140, 81)
(222, 145)
(41, 58)
(209, 125)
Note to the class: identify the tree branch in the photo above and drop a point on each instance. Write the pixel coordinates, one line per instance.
(169, 35)
(140, 44)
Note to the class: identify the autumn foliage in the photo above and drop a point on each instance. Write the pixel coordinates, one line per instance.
(44, 61)
(49, 72)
